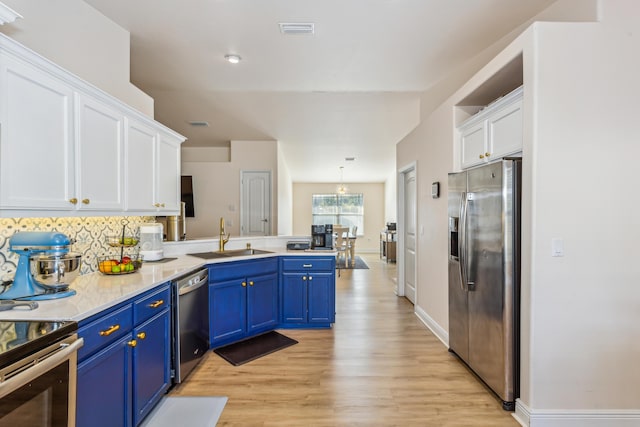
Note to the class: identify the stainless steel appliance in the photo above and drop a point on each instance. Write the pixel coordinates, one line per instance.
(38, 373)
(46, 266)
(484, 273)
(176, 227)
(322, 237)
(190, 322)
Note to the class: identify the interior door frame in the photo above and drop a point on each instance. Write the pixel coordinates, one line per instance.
(400, 291)
(270, 200)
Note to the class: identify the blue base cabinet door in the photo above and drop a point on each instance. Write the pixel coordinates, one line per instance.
(104, 387)
(321, 298)
(228, 311)
(262, 303)
(294, 301)
(151, 364)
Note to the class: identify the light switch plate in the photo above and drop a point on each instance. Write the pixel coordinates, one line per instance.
(557, 247)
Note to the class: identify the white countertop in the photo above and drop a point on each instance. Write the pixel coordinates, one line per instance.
(96, 292)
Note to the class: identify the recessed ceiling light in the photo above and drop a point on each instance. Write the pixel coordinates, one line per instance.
(296, 27)
(234, 59)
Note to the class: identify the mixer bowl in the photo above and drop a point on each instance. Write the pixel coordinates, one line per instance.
(55, 272)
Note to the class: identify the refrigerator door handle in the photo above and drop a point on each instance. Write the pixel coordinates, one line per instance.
(462, 243)
(467, 284)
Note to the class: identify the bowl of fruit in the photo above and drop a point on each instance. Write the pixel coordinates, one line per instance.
(120, 241)
(125, 265)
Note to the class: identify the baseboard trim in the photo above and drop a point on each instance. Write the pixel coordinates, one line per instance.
(575, 418)
(433, 326)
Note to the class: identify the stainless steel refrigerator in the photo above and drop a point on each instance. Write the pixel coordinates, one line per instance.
(484, 273)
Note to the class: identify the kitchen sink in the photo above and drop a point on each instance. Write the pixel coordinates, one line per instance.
(230, 253)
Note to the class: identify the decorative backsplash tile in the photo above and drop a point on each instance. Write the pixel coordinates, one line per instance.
(90, 235)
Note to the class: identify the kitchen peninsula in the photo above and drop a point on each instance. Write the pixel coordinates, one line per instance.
(125, 320)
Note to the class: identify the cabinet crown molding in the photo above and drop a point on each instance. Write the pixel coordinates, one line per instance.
(7, 15)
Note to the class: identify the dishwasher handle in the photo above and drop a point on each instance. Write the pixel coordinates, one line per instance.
(189, 285)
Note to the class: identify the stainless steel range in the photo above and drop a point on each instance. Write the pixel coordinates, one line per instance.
(38, 373)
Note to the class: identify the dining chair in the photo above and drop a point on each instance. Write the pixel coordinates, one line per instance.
(352, 245)
(342, 244)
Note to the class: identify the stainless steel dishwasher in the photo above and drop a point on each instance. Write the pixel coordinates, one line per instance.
(190, 322)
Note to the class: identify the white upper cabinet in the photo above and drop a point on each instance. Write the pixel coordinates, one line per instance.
(152, 164)
(168, 167)
(99, 156)
(494, 132)
(140, 151)
(36, 145)
(67, 148)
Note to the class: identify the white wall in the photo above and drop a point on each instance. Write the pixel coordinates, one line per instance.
(216, 183)
(285, 196)
(585, 315)
(80, 39)
(373, 210)
(390, 197)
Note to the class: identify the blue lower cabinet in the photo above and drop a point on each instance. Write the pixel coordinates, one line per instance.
(242, 307)
(151, 364)
(262, 303)
(227, 311)
(104, 387)
(127, 367)
(243, 300)
(308, 289)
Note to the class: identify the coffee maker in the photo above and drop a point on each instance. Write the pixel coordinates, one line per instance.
(322, 237)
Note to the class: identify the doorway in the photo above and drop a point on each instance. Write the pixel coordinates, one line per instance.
(255, 203)
(407, 238)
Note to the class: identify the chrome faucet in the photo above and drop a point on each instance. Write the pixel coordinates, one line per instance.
(223, 239)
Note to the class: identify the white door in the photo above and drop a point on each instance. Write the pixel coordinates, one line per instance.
(255, 209)
(409, 257)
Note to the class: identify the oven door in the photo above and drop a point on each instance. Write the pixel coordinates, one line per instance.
(41, 390)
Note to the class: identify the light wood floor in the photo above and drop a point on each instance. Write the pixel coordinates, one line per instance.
(378, 366)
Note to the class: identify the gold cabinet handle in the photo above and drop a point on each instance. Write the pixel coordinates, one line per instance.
(157, 205)
(304, 277)
(132, 343)
(142, 335)
(162, 205)
(481, 156)
(251, 283)
(86, 201)
(73, 201)
(310, 277)
(244, 284)
(487, 154)
(109, 331)
(156, 304)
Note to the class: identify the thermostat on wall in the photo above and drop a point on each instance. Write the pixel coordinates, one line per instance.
(435, 190)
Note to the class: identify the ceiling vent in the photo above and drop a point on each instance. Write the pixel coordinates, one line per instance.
(199, 124)
(349, 159)
(296, 28)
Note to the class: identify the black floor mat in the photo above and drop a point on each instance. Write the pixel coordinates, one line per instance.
(245, 351)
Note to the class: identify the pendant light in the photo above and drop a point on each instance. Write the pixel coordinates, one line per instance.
(342, 189)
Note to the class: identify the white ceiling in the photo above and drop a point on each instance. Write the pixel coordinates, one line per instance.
(351, 89)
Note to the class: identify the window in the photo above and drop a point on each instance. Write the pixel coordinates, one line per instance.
(344, 209)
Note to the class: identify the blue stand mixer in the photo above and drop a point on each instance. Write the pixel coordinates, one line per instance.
(46, 267)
